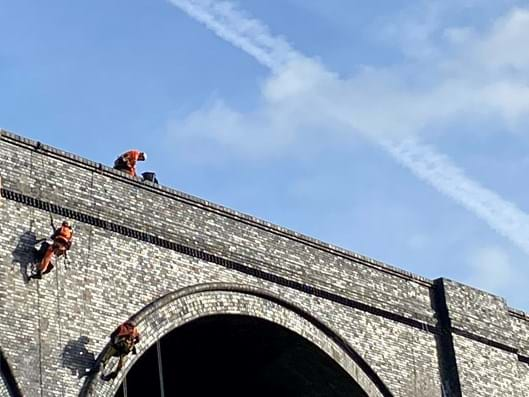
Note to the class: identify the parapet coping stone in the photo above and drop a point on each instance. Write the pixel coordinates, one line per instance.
(520, 314)
(221, 210)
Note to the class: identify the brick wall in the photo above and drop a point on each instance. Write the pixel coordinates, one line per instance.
(136, 242)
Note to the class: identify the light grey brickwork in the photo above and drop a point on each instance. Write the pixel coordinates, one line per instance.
(165, 257)
(4, 391)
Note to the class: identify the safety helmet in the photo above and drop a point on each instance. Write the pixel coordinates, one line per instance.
(132, 323)
(66, 223)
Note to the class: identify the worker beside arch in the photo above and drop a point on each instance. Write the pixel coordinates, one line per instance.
(122, 342)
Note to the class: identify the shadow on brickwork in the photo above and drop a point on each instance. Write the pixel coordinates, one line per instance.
(24, 253)
(7, 377)
(77, 358)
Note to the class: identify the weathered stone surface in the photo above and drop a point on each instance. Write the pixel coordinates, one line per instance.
(136, 242)
(4, 391)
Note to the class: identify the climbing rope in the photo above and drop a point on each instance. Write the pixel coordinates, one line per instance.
(59, 314)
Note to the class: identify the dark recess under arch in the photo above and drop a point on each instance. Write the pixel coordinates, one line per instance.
(236, 355)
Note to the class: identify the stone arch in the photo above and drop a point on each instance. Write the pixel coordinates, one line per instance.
(180, 307)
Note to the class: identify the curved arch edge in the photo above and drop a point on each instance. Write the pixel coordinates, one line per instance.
(362, 371)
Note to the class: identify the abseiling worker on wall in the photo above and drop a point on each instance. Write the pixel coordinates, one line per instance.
(127, 161)
(122, 342)
(61, 242)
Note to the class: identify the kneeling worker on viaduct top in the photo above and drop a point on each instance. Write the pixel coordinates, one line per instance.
(127, 161)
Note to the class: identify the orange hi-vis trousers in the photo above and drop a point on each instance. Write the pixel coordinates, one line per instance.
(57, 248)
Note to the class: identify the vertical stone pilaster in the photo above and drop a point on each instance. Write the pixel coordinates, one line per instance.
(450, 381)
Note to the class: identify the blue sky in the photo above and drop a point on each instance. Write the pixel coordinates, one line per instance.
(396, 129)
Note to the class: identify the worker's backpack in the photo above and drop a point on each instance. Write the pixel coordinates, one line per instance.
(121, 163)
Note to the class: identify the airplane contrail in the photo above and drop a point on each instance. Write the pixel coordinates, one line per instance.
(249, 34)
(252, 36)
(439, 171)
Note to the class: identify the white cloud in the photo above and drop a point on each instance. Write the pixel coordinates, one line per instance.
(391, 106)
(264, 132)
(421, 28)
(505, 48)
(480, 76)
(492, 269)
(414, 29)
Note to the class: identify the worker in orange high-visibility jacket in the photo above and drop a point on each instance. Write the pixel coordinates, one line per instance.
(62, 241)
(127, 161)
(122, 342)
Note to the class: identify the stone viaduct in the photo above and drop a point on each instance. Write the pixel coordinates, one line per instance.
(224, 301)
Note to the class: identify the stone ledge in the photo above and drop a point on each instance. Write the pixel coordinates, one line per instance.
(519, 314)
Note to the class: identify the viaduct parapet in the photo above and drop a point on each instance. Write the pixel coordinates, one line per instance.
(169, 259)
